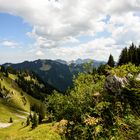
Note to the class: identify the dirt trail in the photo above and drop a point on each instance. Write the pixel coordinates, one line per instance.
(4, 125)
(21, 116)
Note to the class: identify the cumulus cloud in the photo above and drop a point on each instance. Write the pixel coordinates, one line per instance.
(9, 44)
(57, 23)
(58, 20)
(39, 53)
(93, 49)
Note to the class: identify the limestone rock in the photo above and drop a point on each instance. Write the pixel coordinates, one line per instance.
(138, 77)
(115, 84)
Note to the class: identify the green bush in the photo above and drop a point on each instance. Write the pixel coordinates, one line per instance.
(92, 113)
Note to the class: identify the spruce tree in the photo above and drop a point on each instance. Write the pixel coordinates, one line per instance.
(6, 73)
(34, 121)
(123, 59)
(28, 121)
(41, 113)
(11, 120)
(111, 61)
(2, 69)
(131, 53)
(138, 54)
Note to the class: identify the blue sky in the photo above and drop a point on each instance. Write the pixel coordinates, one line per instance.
(14, 28)
(66, 29)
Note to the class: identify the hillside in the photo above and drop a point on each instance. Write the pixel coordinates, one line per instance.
(51, 72)
(17, 131)
(55, 73)
(16, 104)
(13, 95)
(21, 89)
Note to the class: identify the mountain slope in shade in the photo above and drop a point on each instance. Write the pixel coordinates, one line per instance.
(51, 72)
(57, 73)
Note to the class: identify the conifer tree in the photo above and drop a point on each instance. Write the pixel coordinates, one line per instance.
(28, 121)
(11, 120)
(34, 121)
(6, 73)
(123, 59)
(131, 53)
(138, 54)
(111, 62)
(41, 113)
(2, 69)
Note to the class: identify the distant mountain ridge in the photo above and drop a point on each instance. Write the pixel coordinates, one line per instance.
(79, 61)
(58, 73)
(51, 72)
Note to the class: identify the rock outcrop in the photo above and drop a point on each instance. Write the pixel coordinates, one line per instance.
(114, 84)
(138, 77)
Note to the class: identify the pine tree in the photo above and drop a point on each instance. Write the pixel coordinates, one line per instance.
(34, 121)
(123, 59)
(28, 121)
(11, 120)
(131, 53)
(2, 69)
(111, 62)
(138, 54)
(6, 73)
(41, 113)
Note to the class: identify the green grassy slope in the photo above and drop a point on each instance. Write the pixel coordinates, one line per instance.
(15, 96)
(18, 129)
(15, 103)
(6, 112)
(19, 132)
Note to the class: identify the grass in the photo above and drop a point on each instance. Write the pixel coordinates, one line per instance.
(29, 78)
(12, 76)
(19, 132)
(18, 98)
(7, 111)
(13, 106)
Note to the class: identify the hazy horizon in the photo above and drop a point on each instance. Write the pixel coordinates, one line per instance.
(52, 60)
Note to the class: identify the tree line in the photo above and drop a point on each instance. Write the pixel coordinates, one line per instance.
(131, 54)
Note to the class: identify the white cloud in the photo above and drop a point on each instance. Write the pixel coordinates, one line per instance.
(93, 49)
(58, 23)
(9, 43)
(39, 53)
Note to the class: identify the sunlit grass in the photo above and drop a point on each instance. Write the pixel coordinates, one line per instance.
(20, 132)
